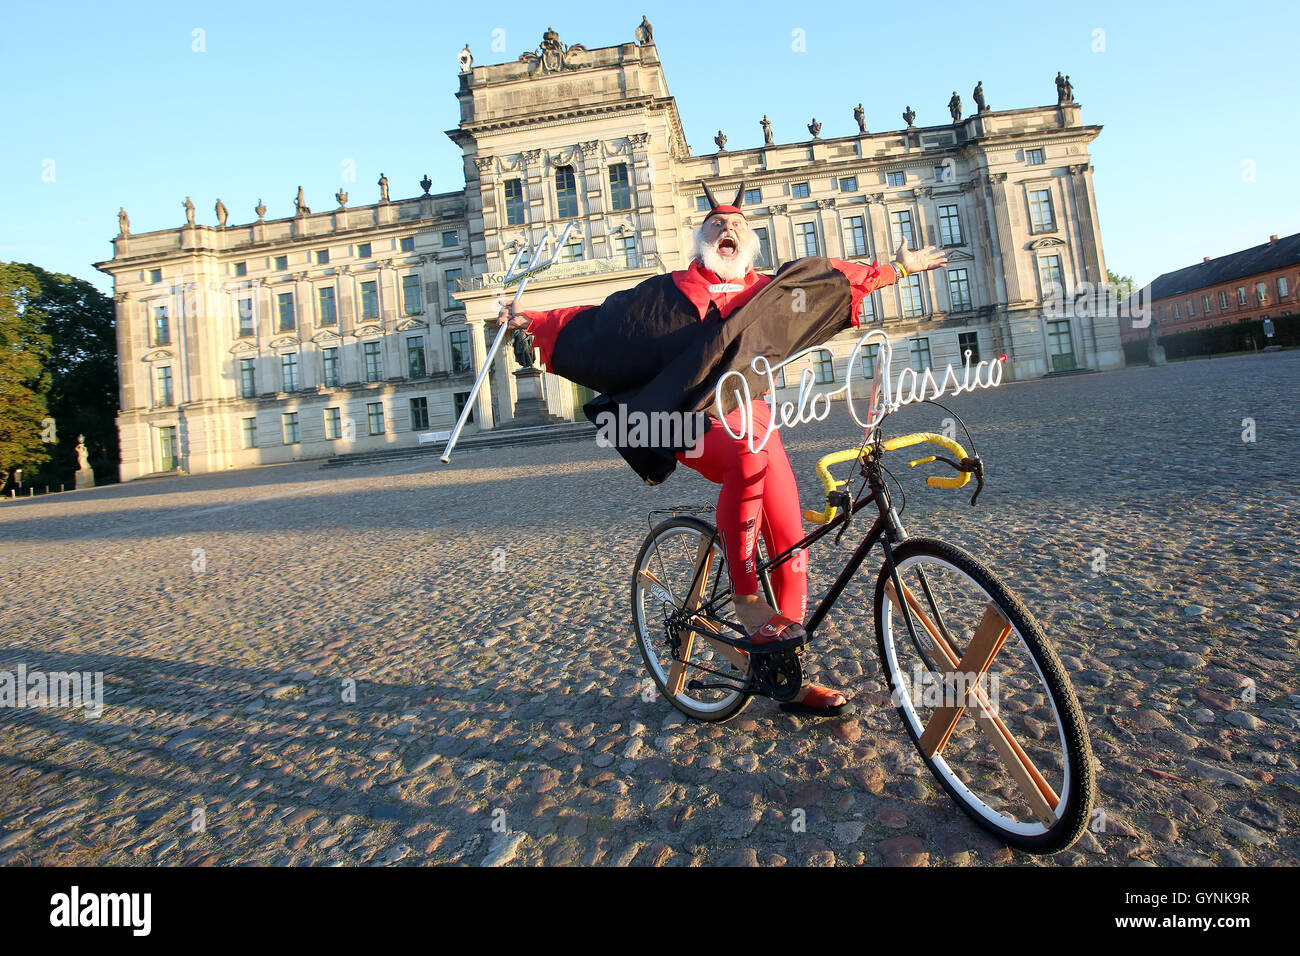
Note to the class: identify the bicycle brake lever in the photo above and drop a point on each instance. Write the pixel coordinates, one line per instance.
(848, 515)
(976, 466)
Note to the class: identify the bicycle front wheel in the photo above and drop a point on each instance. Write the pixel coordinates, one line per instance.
(682, 564)
(984, 697)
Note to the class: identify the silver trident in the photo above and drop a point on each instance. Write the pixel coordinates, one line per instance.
(513, 274)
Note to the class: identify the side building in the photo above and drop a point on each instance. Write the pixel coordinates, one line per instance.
(365, 327)
(1255, 283)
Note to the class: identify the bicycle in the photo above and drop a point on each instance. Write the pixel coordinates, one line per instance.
(995, 717)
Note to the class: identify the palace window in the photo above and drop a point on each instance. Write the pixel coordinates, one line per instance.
(281, 263)
(900, 229)
(325, 300)
(374, 361)
(370, 300)
(290, 420)
(322, 257)
(406, 244)
(285, 304)
(1241, 295)
(764, 258)
(855, 236)
(449, 280)
(333, 423)
(165, 396)
(566, 193)
(824, 368)
(572, 252)
(289, 372)
(920, 354)
(753, 196)
(460, 357)
(1205, 304)
(375, 417)
(458, 401)
(1041, 218)
(241, 268)
(419, 414)
(245, 318)
(959, 287)
(701, 204)
(411, 294)
(1034, 157)
(909, 290)
(848, 184)
(968, 340)
(330, 361)
(161, 326)
(1223, 299)
(805, 236)
(1049, 273)
(1178, 311)
(363, 250)
(247, 378)
(250, 432)
(620, 188)
(1261, 292)
(451, 238)
(155, 275)
(867, 315)
(415, 367)
(800, 191)
(1191, 308)
(868, 360)
(896, 178)
(514, 202)
(949, 226)
(1281, 286)
(625, 246)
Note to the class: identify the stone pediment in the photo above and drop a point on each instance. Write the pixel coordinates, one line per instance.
(407, 324)
(959, 255)
(1045, 242)
(242, 347)
(284, 341)
(364, 330)
(325, 335)
(158, 355)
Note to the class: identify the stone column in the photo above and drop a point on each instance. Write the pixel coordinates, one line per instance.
(1004, 248)
(880, 240)
(1085, 211)
(478, 357)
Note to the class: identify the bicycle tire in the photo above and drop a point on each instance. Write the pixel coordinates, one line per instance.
(652, 638)
(1072, 784)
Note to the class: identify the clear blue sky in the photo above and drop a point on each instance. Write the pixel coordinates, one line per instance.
(1193, 98)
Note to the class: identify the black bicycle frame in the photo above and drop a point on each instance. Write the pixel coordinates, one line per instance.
(884, 529)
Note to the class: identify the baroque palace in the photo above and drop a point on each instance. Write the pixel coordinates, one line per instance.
(365, 326)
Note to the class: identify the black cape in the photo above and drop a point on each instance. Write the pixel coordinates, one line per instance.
(647, 349)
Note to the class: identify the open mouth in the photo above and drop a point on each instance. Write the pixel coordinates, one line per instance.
(727, 246)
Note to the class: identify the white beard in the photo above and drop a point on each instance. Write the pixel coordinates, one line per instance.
(737, 267)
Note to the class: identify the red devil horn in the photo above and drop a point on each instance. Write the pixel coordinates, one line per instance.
(708, 195)
(740, 194)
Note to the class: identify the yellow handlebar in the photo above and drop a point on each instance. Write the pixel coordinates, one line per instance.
(831, 483)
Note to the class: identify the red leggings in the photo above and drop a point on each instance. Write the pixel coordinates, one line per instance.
(758, 494)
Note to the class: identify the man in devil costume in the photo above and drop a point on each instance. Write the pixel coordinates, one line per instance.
(662, 346)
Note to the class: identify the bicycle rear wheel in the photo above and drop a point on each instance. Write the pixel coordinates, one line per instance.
(984, 697)
(661, 587)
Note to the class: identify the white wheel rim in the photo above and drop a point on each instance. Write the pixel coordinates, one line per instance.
(968, 796)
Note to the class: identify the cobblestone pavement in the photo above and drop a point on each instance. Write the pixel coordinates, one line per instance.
(228, 614)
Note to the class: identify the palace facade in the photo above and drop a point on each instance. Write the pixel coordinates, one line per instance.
(364, 327)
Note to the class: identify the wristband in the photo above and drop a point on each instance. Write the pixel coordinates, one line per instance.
(899, 270)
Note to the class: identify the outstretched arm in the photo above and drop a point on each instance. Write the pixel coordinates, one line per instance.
(543, 325)
(864, 279)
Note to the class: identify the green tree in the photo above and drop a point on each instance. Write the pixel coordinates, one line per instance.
(1123, 285)
(82, 365)
(24, 348)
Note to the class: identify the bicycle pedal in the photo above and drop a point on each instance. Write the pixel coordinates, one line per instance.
(793, 644)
